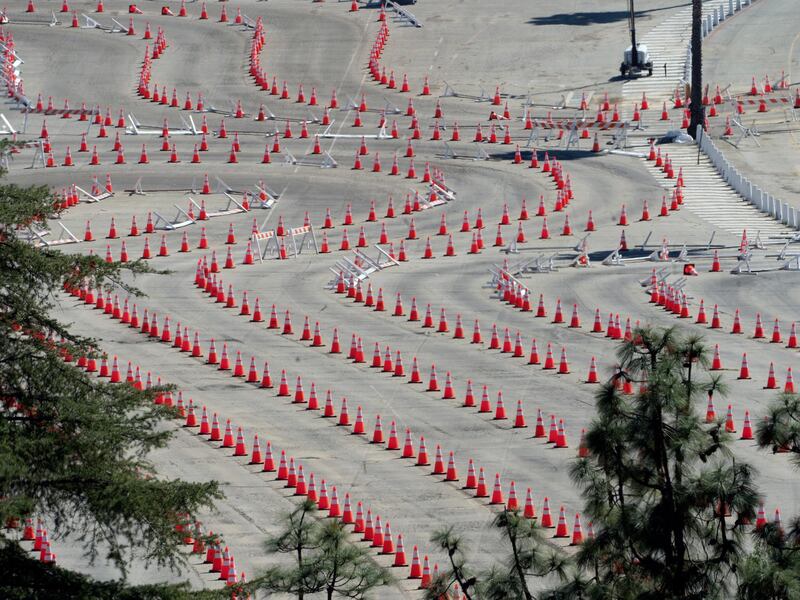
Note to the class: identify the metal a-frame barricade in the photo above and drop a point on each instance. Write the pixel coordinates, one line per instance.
(307, 240)
(791, 263)
(743, 266)
(536, 264)
(661, 275)
(614, 259)
(443, 192)
(232, 207)
(502, 278)
(248, 22)
(539, 264)
(38, 237)
(118, 27)
(619, 140)
(39, 156)
(662, 254)
(326, 161)
(361, 266)
(533, 137)
(744, 131)
(573, 139)
(90, 198)
(265, 196)
(450, 92)
(403, 15)
(6, 128)
(181, 219)
(511, 246)
(90, 23)
(582, 260)
(136, 127)
(449, 153)
(266, 243)
(791, 260)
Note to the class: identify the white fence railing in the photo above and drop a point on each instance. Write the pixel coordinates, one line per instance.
(762, 200)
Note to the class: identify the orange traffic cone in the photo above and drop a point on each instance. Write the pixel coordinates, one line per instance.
(747, 428)
(577, 532)
(561, 528)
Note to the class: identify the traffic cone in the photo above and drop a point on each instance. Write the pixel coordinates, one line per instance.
(744, 370)
(563, 365)
(577, 532)
(776, 333)
(583, 449)
(788, 387)
(730, 426)
(737, 325)
(545, 232)
(469, 397)
(792, 337)
(472, 480)
(592, 377)
(561, 437)
(761, 519)
(759, 329)
(519, 421)
(433, 385)
(716, 363)
(497, 492)
(227, 440)
(747, 428)
(547, 518)
(500, 409)
(163, 250)
(534, 357)
(711, 413)
(771, 381)
(715, 320)
(561, 528)
(486, 405)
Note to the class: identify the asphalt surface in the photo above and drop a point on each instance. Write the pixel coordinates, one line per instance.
(473, 47)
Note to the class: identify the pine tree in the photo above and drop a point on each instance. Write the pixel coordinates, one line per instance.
(772, 572)
(73, 450)
(458, 574)
(530, 557)
(297, 538)
(344, 569)
(670, 502)
(780, 430)
(324, 559)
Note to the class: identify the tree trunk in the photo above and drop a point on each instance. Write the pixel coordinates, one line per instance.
(696, 107)
(300, 592)
(518, 567)
(459, 575)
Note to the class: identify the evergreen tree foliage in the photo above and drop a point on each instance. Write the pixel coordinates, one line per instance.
(74, 449)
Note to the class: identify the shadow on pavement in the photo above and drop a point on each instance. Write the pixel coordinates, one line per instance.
(596, 18)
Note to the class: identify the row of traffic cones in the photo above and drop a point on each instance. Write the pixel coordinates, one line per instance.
(294, 477)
